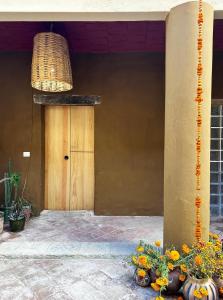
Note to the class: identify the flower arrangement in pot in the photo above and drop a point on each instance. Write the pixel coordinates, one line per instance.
(201, 268)
(166, 272)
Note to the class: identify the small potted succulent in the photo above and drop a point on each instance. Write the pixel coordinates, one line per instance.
(16, 216)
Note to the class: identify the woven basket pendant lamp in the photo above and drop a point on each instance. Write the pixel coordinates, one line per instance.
(51, 69)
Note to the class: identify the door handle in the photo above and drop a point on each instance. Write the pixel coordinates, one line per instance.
(66, 157)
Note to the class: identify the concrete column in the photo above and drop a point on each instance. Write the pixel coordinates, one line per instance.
(180, 123)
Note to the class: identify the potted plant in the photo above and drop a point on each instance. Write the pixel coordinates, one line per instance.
(10, 180)
(166, 272)
(17, 218)
(201, 268)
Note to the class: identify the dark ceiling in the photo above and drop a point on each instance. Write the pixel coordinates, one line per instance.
(96, 37)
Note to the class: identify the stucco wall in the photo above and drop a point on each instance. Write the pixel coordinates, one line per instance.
(129, 130)
(16, 125)
(128, 127)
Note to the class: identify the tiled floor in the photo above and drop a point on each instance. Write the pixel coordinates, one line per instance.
(68, 256)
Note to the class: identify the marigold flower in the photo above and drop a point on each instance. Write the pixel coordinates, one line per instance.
(183, 268)
(162, 281)
(185, 249)
(197, 294)
(170, 266)
(174, 255)
(180, 298)
(155, 286)
(141, 272)
(140, 249)
(142, 260)
(182, 277)
(159, 298)
(220, 290)
(157, 243)
(204, 291)
(198, 260)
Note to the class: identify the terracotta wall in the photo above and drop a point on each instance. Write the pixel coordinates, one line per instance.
(16, 114)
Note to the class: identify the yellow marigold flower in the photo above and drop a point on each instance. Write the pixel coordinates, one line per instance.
(183, 268)
(134, 260)
(198, 260)
(167, 253)
(197, 294)
(140, 249)
(162, 281)
(203, 291)
(170, 266)
(155, 286)
(185, 249)
(215, 236)
(142, 260)
(174, 255)
(182, 277)
(160, 298)
(157, 243)
(141, 272)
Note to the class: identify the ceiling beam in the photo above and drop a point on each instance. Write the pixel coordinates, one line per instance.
(88, 10)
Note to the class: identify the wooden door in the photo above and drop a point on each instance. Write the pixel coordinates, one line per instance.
(82, 158)
(69, 131)
(57, 168)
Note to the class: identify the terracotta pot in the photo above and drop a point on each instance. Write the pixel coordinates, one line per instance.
(142, 281)
(193, 284)
(174, 283)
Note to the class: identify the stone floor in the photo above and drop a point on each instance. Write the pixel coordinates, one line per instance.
(75, 256)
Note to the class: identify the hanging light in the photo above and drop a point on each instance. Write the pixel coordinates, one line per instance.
(51, 69)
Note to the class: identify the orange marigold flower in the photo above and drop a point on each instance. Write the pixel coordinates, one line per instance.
(157, 243)
(180, 298)
(185, 249)
(155, 286)
(141, 272)
(183, 268)
(198, 260)
(220, 291)
(142, 260)
(182, 277)
(170, 266)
